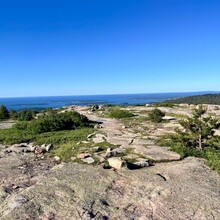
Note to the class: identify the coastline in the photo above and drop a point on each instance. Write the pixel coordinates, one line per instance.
(40, 103)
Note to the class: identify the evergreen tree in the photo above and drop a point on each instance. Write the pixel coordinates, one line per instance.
(4, 114)
(198, 128)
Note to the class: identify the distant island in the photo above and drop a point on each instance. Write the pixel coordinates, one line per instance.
(213, 99)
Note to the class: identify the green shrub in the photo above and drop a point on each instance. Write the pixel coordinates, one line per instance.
(4, 114)
(26, 131)
(156, 115)
(50, 111)
(13, 114)
(26, 115)
(164, 104)
(118, 113)
(54, 122)
(213, 158)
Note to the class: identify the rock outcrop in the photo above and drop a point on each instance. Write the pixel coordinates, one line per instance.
(74, 191)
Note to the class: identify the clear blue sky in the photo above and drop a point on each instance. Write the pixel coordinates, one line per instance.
(72, 47)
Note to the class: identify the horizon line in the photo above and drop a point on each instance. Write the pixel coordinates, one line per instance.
(109, 94)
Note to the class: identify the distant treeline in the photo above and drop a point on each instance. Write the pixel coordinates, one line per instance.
(198, 99)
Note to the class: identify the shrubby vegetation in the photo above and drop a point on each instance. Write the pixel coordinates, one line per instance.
(13, 115)
(23, 115)
(26, 115)
(197, 139)
(26, 131)
(199, 129)
(198, 99)
(4, 113)
(164, 104)
(156, 115)
(118, 113)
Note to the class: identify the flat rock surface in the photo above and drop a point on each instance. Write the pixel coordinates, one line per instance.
(6, 124)
(74, 191)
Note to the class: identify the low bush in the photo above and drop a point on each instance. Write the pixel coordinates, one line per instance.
(156, 115)
(13, 115)
(26, 115)
(54, 122)
(26, 131)
(164, 104)
(63, 137)
(118, 113)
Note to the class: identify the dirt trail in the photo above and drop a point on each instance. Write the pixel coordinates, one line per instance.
(117, 134)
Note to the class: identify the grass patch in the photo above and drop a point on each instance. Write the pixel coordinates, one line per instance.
(181, 116)
(104, 145)
(14, 136)
(63, 130)
(64, 142)
(63, 137)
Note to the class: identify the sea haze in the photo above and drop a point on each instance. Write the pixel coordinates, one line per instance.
(39, 103)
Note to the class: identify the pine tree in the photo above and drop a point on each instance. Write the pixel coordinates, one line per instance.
(198, 128)
(4, 114)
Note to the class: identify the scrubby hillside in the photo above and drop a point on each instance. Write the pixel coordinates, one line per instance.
(198, 99)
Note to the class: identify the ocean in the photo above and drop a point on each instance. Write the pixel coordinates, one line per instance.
(39, 103)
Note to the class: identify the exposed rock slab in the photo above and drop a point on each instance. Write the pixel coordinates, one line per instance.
(156, 153)
(73, 191)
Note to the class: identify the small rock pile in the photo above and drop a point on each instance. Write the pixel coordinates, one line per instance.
(28, 148)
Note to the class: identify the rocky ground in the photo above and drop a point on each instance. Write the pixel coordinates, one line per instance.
(6, 124)
(33, 186)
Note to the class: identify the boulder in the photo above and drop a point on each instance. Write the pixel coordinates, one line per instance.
(113, 153)
(25, 150)
(100, 158)
(94, 108)
(96, 149)
(85, 142)
(98, 126)
(57, 159)
(39, 150)
(83, 155)
(108, 152)
(43, 146)
(117, 163)
(73, 158)
(90, 135)
(88, 160)
(32, 148)
(142, 164)
(48, 147)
